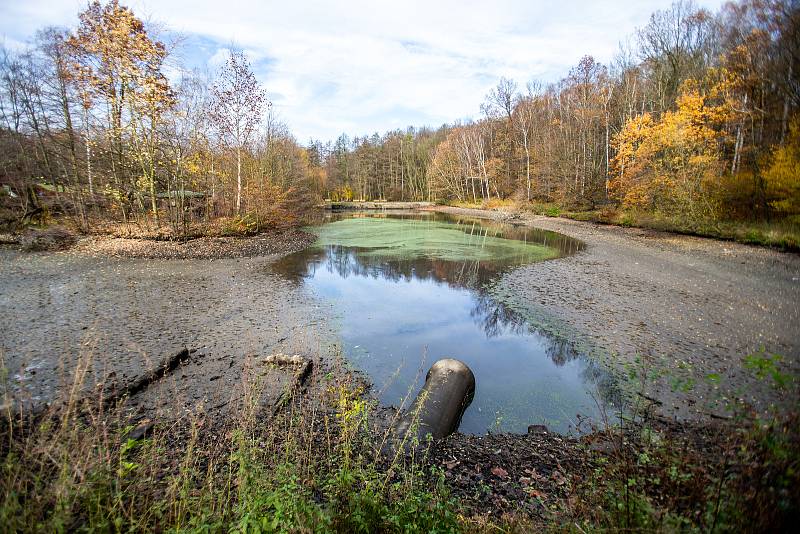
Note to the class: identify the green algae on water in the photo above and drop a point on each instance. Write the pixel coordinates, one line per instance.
(403, 239)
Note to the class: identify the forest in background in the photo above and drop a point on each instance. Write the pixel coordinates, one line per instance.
(92, 129)
(695, 120)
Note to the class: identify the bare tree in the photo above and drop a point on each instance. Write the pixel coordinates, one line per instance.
(500, 100)
(674, 45)
(524, 117)
(237, 107)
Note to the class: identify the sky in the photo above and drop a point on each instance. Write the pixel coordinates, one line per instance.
(359, 67)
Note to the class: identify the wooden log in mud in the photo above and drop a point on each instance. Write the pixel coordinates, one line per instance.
(304, 367)
(437, 410)
(168, 365)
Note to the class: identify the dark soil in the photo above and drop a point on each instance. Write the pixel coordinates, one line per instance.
(36, 240)
(201, 248)
(544, 475)
(121, 317)
(508, 473)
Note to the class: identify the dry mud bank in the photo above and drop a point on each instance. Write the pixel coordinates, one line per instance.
(201, 248)
(121, 317)
(687, 309)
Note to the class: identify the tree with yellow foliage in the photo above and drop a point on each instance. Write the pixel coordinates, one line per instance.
(782, 178)
(115, 60)
(672, 165)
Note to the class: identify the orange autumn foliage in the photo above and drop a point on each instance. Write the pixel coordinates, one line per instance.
(672, 164)
(783, 175)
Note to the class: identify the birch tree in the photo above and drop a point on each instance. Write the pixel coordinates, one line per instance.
(237, 106)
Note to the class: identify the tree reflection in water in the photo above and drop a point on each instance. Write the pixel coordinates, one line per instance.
(395, 302)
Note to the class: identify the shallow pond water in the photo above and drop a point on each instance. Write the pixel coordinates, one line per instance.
(410, 289)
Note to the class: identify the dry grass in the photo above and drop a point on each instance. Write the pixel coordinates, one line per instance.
(783, 233)
(492, 204)
(314, 466)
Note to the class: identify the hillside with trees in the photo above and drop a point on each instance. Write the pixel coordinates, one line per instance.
(695, 121)
(92, 129)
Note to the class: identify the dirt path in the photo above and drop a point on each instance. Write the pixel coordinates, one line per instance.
(691, 308)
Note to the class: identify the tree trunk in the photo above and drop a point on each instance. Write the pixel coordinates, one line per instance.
(607, 162)
(785, 117)
(88, 151)
(152, 165)
(238, 180)
(73, 156)
(527, 163)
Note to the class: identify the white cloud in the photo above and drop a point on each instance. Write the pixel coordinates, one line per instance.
(217, 60)
(361, 66)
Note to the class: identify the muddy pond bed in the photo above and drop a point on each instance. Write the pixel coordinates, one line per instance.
(410, 288)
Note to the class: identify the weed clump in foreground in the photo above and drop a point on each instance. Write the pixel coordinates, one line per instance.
(314, 467)
(740, 474)
(667, 477)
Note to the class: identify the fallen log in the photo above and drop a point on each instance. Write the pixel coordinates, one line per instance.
(304, 367)
(304, 364)
(144, 381)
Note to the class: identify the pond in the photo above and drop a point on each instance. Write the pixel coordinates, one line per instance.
(410, 289)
